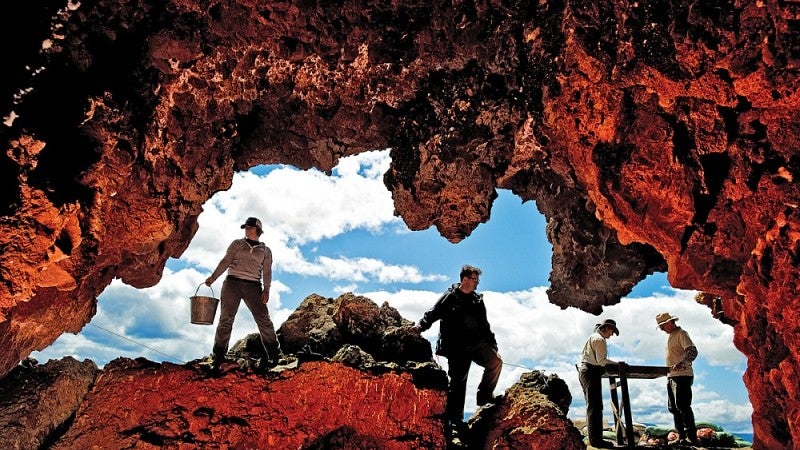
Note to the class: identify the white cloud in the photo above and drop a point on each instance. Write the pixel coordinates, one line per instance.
(301, 207)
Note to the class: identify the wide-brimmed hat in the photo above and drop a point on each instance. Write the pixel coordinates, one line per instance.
(609, 323)
(663, 318)
(253, 222)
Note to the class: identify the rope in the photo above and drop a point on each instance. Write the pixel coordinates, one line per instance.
(504, 363)
(137, 343)
(517, 365)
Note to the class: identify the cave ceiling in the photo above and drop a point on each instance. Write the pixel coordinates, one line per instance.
(653, 136)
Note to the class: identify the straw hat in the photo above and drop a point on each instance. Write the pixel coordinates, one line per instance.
(663, 318)
(609, 323)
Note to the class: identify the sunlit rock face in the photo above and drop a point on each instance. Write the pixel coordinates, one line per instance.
(653, 136)
(135, 403)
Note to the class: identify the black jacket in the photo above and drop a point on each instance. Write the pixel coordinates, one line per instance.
(464, 323)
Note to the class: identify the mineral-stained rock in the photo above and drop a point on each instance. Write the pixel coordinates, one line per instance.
(37, 402)
(136, 402)
(532, 414)
(653, 135)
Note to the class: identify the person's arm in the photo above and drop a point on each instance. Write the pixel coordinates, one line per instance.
(223, 264)
(433, 314)
(490, 337)
(689, 355)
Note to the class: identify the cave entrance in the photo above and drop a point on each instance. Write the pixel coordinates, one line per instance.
(335, 234)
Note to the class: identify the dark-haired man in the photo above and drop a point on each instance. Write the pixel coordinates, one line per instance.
(594, 358)
(464, 337)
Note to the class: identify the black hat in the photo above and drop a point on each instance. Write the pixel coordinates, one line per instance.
(253, 222)
(609, 323)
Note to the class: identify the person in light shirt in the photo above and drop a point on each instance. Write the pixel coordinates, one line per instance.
(594, 358)
(248, 262)
(681, 351)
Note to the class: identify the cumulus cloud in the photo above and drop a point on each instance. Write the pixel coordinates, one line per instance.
(301, 207)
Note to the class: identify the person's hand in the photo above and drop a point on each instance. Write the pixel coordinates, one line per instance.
(265, 297)
(209, 281)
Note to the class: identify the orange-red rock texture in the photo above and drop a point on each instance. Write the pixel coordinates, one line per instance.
(654, 136)
(167, 406)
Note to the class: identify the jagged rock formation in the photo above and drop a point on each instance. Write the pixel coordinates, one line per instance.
(38, 402)
(531, 415)
(323, 325)
(653, 135)
(352, 399)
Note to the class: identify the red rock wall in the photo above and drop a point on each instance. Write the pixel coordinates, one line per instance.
(167, 406)
(653, 136)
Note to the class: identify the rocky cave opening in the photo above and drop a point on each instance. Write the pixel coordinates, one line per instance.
(512, 247)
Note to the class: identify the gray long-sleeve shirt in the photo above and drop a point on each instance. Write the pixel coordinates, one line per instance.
(247, 262)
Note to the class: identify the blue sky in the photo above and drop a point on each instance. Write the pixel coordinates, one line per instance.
(336, 234)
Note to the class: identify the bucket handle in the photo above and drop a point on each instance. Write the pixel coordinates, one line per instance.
(198, 288)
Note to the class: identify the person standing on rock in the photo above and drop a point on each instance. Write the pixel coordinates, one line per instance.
(681, 351)
(464, 337)
(248, 262)
(594, 358)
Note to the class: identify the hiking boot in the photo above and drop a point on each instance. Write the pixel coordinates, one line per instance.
(455, 427)
(487, 400)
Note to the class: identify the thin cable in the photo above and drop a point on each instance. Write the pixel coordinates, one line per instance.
(138, 343)
(504, 363)
(516, 365)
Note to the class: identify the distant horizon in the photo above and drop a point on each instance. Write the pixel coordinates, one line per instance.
(338, 233)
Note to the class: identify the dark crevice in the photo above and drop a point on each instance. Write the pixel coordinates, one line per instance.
(765, 266)
(146, 436)
(232, 420)
(610, 158)
(10, 193)
(683, 145)
(64, 242)
(57, 433)
(716, 167)
(687, 235)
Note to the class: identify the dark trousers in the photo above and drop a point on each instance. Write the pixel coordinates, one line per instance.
(458, 365)
(679, 403)
(233, 292)
(591, 378)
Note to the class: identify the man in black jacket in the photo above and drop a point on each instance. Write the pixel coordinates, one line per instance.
(464, 337)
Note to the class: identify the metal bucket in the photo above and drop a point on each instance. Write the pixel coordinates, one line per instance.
(203, 308)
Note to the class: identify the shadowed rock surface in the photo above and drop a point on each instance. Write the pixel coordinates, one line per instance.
(322, 325)
(38, 402)
(653, 136)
